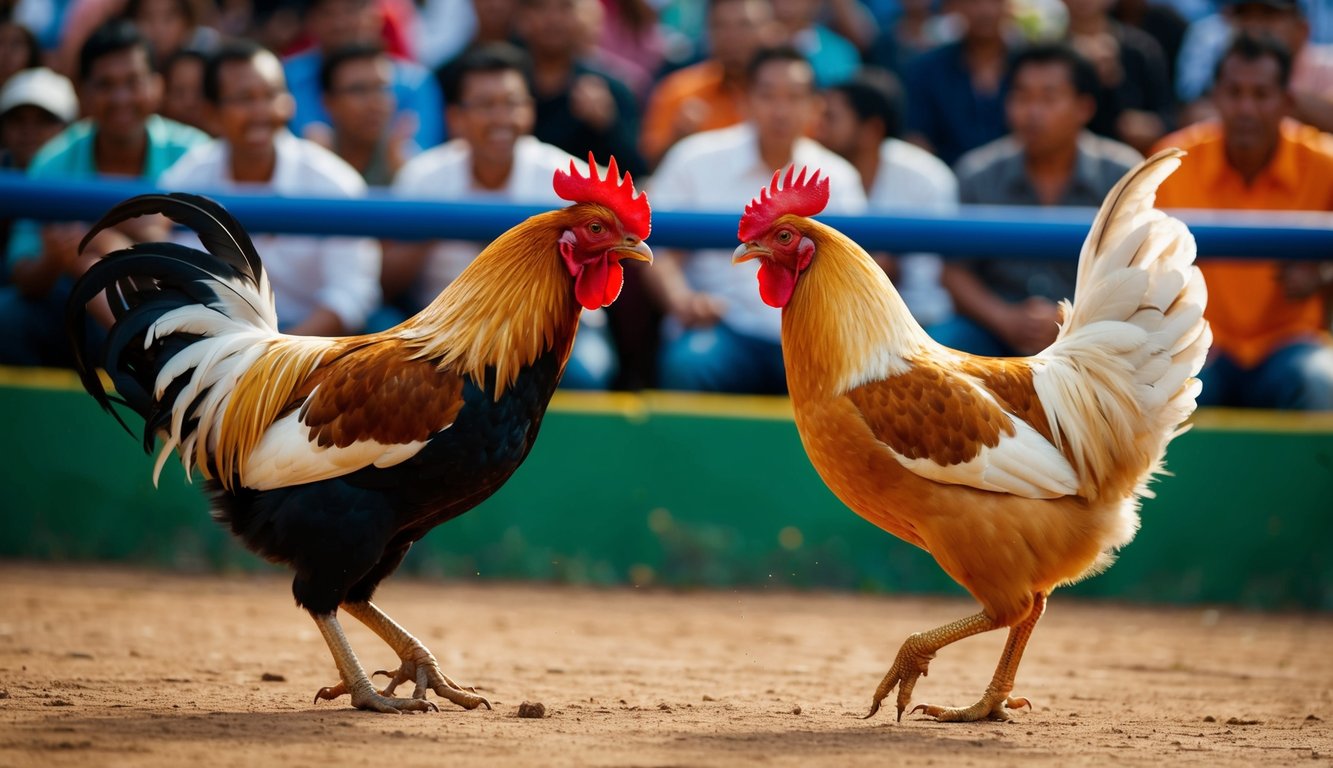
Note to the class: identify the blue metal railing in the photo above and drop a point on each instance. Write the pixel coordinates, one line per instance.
(993, 231)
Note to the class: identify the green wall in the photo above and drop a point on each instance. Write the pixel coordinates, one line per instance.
(690, 491)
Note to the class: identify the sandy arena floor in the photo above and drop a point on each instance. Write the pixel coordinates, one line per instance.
(103, 667)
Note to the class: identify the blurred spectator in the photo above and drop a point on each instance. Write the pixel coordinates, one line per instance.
(487, 21)
(18, 49)
(494, 158)
(1008, 306)
(35, 105)
(710, 94)
(121, 137)
(719, 335)
(832, 56)
(324, 286)
(627, 42)
(183, 90)
(334, 24)
(1269, 319)
(1311, 85)
(171, 26)
(357, 85)
(917, 29)
(1161, 22)
(862, 122)
(580, 108)
(955, 99)
(1134, 102)
(45, 18)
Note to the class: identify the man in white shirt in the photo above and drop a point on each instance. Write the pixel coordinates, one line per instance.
(493, 159)
(324, 286)
(862, 119)
(719, 336)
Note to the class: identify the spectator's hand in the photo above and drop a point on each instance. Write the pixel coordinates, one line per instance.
(60, 244)
(1139, 129)
(1303, 279)
(402, 133)
(590, 101)
(697, 310)
(1030, 326)
(320, 133)
(689, 117)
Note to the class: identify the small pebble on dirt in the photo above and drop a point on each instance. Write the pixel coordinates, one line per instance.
(709, 698)
(58, 703)
(1210, 719)
(796, 710)
(534, 709)
(1308, 718)
(270, 677)
(665, 707)
(1238, 721)
(5, 694)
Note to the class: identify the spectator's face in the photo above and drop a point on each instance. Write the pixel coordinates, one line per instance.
(983, 19)
(737, 29)
(552, 27)
(840, 128)
(360, 101)
(796, 15)
(782, 101)
(183, 94)
(253, 104)
(495, 18)
(14, 51)
(1085, 9)
(24, 129)
(1251, 102)
(338, 23)
(120, 93)
(1261, 20)
(163, 22)
(1046, 113)
(494, 110)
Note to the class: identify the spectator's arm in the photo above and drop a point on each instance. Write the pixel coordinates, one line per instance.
(403, 262)
(852, 20)
(351, 291)
(1027, 327)
(1313, 108)
(668, 286)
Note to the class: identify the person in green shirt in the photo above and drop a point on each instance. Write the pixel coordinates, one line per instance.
(120, 137)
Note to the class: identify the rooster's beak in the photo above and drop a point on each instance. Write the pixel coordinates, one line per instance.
(639, 251)
(747, 252)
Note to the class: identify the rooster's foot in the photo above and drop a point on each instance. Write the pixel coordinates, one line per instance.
(912, 662)
(365, 697)
(424, 672)
(993, 706)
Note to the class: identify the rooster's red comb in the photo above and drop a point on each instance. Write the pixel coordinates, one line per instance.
(629, 205)
(799, 197)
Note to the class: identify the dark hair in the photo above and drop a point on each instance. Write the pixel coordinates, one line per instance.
(487, 57)
(112, 37)
(189, 9)
(29, 39)
(773, 53)
(1248, 47)
(1082, 75)
(875, 93)
(333, 61)
(184, 54)
(231, 51)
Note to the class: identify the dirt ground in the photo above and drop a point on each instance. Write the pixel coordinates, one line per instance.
(108, 667)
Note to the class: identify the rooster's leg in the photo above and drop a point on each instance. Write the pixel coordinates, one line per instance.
(354, 680)
(915, 654)
(419, 666)
(996, 700)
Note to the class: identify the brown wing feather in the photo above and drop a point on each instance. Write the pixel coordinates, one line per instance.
(930, 413)
(380, 393)
(1010, 381)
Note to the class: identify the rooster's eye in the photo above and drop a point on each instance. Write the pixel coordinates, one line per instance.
(784, 236)
(596, 228)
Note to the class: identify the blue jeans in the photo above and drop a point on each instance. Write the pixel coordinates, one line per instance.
(718, 359)
(1298, 376)
(592, 362)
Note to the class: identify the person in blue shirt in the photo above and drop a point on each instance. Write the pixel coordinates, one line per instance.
(955, 99)
(120, 137)
(334, 24)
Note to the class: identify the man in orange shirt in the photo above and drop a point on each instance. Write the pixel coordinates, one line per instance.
(711, 94)
(1271, 346)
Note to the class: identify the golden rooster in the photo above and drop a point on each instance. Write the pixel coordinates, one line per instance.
(334, 455)
(1018, 475)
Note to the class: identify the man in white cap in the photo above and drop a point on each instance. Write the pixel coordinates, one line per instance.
(35, 105)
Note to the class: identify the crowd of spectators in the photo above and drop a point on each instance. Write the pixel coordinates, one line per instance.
(908, 105)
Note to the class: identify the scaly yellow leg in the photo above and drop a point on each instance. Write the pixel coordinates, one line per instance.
(915, 654)
(419, 665)
(996, 699)
(354, 680)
